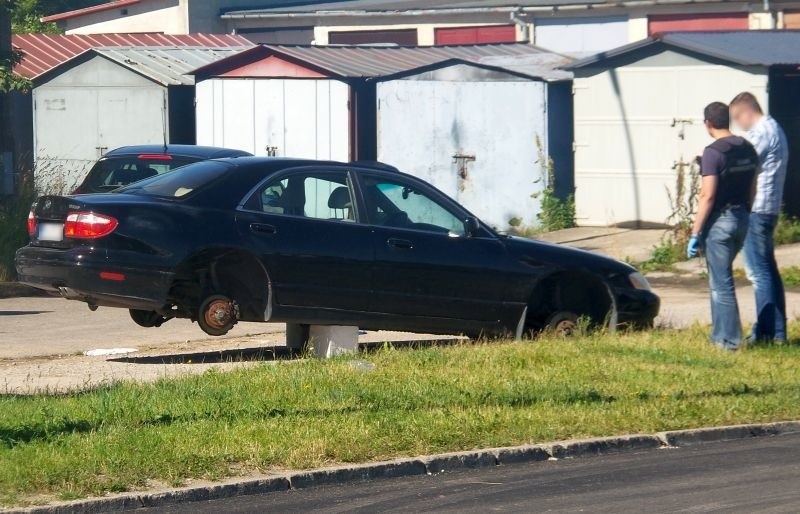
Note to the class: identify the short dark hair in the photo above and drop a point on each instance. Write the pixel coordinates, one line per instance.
(747, 99)
(717, 114)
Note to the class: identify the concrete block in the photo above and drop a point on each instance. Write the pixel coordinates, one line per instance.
(330, 341)
(297, 336)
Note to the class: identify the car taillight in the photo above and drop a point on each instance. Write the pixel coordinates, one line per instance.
(88, 225)
(31, 224)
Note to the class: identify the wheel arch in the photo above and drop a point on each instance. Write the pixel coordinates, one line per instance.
(580, 291)
(233, 271)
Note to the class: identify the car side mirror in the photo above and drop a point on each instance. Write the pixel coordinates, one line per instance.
(471, 227)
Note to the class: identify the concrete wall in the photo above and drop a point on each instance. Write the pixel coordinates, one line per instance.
(167, 16)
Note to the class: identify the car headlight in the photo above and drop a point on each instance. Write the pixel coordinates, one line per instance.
(638, 281)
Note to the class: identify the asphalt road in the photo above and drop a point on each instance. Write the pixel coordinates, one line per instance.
(755, 475)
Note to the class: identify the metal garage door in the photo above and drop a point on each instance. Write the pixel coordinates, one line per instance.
(660, 23)
(291, 118)
(635, 124)
(581, 35)
(476, 35)
(473, 140)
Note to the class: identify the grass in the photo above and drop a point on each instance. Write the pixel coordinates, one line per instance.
(791, 276)
(664, 256)
(787, 231)
(313, 413)
(13, 230)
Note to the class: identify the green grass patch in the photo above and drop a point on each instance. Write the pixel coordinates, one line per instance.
(313, 413)
(787, 231)
(791, 276)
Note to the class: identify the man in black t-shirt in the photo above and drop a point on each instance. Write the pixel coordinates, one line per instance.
(729, 167)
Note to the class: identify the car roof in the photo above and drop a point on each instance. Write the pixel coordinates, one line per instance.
(294, 162)
(202, 152)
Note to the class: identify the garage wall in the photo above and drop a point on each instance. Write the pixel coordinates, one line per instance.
(582, 35)
(423, 124)
(635, 123)
(293, 118)
(87, 110)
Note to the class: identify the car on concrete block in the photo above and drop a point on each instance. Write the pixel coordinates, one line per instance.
(316, 243)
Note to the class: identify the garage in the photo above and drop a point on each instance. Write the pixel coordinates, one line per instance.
(465, 118)
(638, 115)
(111, 97)
(581, 35)
(473, 132)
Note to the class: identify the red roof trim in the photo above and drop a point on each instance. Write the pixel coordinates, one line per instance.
(88, 10)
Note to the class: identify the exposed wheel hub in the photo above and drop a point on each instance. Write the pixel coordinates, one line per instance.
(219, 313)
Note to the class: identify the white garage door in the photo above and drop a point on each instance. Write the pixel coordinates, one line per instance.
(581, 35)
(636, 124)
(289, 118)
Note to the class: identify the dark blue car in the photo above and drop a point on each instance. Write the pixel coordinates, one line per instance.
(130, 164)
(315, 243)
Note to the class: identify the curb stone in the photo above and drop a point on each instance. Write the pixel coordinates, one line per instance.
(704, 435)
(420, 466)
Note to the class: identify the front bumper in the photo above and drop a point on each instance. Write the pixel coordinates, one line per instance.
(637, 308)
(75, 274)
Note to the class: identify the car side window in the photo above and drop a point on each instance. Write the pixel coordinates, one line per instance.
(395, 203)
(313, 194)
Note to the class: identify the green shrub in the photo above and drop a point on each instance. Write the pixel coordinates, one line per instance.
(787, 231)
(13, 229)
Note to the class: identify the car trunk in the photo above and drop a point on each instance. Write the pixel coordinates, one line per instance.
(50, 213)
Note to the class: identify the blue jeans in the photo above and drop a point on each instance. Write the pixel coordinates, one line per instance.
(724, 237)
(762, 271)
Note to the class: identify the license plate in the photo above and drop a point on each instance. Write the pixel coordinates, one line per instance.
(50, 232)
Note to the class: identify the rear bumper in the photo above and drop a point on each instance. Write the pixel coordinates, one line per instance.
(76, 274)
(637, 308)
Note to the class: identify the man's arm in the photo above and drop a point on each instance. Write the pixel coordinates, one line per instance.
(708, 192)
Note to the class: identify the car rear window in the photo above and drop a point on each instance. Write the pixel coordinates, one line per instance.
(113, 172)
(179, 183)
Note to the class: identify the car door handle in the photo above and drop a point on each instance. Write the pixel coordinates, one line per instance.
(400, 244)
(263, 228)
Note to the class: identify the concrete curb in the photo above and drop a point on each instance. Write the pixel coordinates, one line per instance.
(426, 465)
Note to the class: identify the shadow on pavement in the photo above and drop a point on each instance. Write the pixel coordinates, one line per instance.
(271, 353)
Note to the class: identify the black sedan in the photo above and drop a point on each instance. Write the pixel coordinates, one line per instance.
(129, 164)
(315, 243)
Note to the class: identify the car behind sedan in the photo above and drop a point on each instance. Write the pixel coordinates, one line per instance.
(130, 164)
(310, 242)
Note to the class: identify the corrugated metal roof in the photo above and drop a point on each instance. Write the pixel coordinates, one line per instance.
(46, 51)
(399, 6)
(545, 65)
(88, 10)
(383, 61)
(170, 66)
(745, 47)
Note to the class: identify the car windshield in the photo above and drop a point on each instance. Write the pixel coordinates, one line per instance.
(117, 171)
(179, 183)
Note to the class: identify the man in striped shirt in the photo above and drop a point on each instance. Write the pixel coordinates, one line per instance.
(770, 142)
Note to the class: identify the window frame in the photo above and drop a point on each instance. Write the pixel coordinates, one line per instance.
(288, 173)
(442, 200)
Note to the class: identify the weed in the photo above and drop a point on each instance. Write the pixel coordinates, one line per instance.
(791, 276)
(787, 230)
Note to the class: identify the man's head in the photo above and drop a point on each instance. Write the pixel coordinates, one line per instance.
(716, 118)
(745, 110)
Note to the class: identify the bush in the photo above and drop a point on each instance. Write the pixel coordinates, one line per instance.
(13, 229)
(787, 231)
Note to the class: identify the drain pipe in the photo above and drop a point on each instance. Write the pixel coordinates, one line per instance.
(527, 33)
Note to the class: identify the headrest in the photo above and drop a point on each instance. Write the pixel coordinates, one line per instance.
(340, 198)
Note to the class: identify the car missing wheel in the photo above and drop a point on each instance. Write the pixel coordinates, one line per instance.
(320, 243)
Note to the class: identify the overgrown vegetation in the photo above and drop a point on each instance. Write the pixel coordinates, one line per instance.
(13, 228)
(787, 231)
(313, 413)
(791, 276)
(555, 213)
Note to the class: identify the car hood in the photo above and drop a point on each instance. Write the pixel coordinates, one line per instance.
(540, 253)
